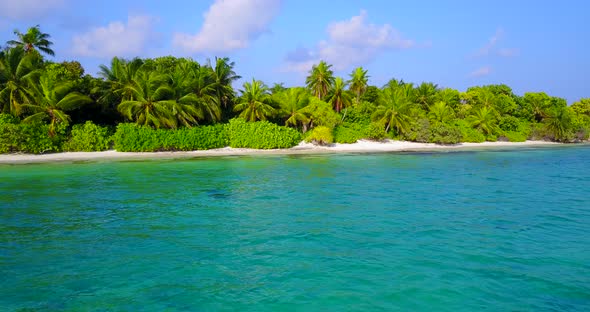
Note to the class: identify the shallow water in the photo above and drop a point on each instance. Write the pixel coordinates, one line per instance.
(458, 231)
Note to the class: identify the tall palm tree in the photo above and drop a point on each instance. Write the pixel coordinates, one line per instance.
(121, 76)
(32, 40)
(203, 93)
(51, 100)
(358, 82)
(224, 75)
(425, 94)
(320, 79)
(441, 113)
(393, 110)
(151, 103)
(17, 72)
(559, 122)
(293, 104)
(484, 119)
(338, 97)
(255, 103)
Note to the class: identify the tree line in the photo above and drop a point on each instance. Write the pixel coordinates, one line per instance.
(172, 93)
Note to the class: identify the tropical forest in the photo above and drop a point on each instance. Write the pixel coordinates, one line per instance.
(177, 104)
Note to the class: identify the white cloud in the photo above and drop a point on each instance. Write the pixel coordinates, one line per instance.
(480, 72)
(491, 47)
(28, 9)
(508, 52)
(491, 44)
(116, 39)
(230, 25)
(350, 42)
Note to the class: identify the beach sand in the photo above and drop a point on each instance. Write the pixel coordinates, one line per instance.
(303, 148)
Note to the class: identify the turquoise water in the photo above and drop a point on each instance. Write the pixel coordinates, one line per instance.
(460, 231)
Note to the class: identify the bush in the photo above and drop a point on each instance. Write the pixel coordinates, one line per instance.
(469, 134)
(375, 132)
(29, 138)
(349, 133)
(321, 135)
(513, 136)
(261, 135)
(88, 138)
(134, 138)
(419, 131)
(445, 134)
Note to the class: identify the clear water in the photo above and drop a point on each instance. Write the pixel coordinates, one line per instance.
(460, 231)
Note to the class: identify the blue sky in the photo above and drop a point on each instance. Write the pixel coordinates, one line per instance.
(529, 45)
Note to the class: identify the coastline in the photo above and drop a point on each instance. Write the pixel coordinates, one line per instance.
(303, 148)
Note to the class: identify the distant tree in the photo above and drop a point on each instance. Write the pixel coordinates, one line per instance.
(393, 110)
(255, 103)
(338, 96)
(33, 40)
(293, 104)
(358, 82)
(121, 76)
(18, 71)
(51, 100)
(425, 94)
(277, 88)
(484, 119)
(223, 77)
(320, 79)
(559, 123)
(441, 113)
(151, 101)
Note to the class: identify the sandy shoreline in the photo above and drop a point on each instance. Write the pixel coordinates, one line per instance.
(301, 149)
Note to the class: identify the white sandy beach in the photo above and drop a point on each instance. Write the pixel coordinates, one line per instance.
(302, 149)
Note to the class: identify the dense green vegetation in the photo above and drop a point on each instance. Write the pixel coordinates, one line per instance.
(170, 103)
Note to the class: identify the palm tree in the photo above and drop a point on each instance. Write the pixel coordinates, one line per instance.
(293, 105)
(17, 71)
(255, 102)
(224, 76)
(31, 40)
(425, 94)
(50, 100)
(121, 76)
(358, 82)
(484, 119)
(441, 113)
(393, 110)
(339, 98)
(559, 123)
(202, 92)
(151, 103)
(320, 79)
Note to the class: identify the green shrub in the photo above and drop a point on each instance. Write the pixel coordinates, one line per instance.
(321, 135)
(30, 138)
(469, 134)
(134, 138)
(349, 133)
(261, 135)
(375, 132)
(419, 131)
(445, 134)
(514, 136)
(88, 138)
(8, 119)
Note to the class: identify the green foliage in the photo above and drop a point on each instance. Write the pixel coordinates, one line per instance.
(8, 119)
(261, 135)
(136, 138)
(445, 134)
(375, 132)
(321, 135)
(322, 114)
(470, 134)
(419, 131)
(515, 136)
(30, 138)
(349, 133)
(88, 138)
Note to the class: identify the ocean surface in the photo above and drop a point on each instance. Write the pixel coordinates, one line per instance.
(502, 230)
